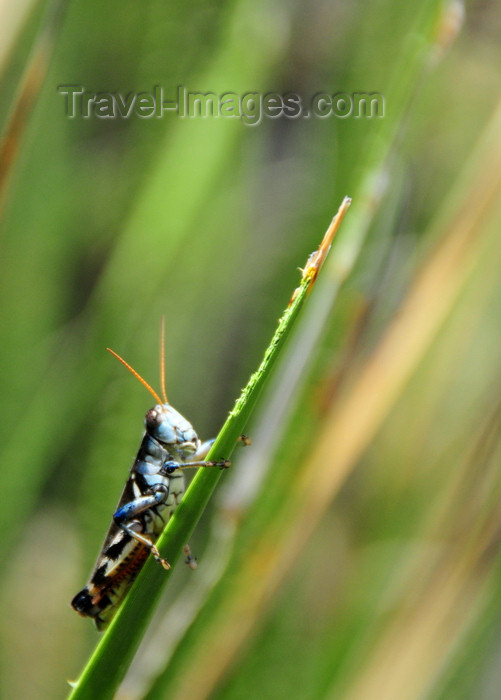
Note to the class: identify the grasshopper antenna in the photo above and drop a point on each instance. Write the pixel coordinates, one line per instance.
(162, 360)
(137, 376)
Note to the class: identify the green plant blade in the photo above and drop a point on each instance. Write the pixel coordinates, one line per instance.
(111, 658)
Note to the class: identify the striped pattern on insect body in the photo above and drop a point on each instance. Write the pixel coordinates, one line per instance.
(150, 496)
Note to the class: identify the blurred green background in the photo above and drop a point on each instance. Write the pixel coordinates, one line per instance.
(353, 550)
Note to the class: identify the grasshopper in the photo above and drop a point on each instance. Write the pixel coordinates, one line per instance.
(150, 496)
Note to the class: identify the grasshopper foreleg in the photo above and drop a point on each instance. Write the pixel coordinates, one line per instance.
(203, 450)
(171, 466)
(190, 559)
(125, 516)
(198, 458)
(205, 446)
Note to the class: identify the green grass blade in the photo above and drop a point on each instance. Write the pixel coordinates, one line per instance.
(110, 660)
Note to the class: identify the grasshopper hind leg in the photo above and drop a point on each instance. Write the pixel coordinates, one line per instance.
(128, 528)
(126, 518)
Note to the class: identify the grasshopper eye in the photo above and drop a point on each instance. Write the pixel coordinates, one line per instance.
(152, 419)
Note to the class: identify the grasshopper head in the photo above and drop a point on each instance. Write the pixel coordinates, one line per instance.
(171, 429)
(164, 423)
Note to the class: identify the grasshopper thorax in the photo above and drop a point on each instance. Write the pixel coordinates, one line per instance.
(171, 429)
